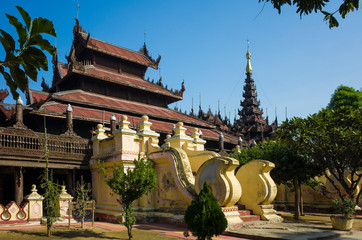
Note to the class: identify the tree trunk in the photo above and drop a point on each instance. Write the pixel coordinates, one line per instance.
(296, 199)
(301, 201)
(129, 231)
(49, 231)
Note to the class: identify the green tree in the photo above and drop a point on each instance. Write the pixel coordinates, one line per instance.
(305, 7)
(345, 96)
(130, 186)
(204, 216)
(27, 57)
(51, 191)
(81, 199)
(332, 139)
(291, 167)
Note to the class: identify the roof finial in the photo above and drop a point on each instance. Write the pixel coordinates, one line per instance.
(200, 100)
(77, 10)
(248, 65)
(144, 37)
(192, 104)
(218, 106)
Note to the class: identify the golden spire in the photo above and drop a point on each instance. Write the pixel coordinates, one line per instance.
(249, 69)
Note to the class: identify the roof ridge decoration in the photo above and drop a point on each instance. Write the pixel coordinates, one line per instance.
(144, 51)
(174, 91)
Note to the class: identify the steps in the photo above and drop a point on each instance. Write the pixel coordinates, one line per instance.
(248, 218)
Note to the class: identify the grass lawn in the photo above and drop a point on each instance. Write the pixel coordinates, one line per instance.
(79, 234)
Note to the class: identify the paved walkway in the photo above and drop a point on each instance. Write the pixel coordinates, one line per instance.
(295, 231)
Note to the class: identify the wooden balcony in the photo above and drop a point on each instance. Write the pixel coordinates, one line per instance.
(24, 147)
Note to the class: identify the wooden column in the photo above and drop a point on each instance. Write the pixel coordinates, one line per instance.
(19, 184)
(71, 181)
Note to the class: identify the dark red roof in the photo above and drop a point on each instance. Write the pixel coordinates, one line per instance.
(37, 96)
(93, 99)
(97, 116)
(120, 52)
(126, 80)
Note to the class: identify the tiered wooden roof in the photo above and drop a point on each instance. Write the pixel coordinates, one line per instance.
(96, 108)
(102, 79)
(119, 52)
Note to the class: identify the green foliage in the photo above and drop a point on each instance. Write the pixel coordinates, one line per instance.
(346, 96)
(305, 7)
(51, 192)
(82, 197)
(345, 206)
(331, 139)
(51, 196)
(289, 164)
(131, 185)
(25, 59)
(204, 216)
(291, 167)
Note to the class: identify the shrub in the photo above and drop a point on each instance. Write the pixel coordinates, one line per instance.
(204, 216)
(345, 206)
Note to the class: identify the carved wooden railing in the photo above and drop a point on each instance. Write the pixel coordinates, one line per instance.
(25, 142)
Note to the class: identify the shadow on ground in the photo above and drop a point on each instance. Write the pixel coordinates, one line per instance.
(66, 234)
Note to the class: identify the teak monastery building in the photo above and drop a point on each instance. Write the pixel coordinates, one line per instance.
(100, 83)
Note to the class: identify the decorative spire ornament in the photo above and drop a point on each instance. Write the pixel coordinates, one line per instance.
(249, 69)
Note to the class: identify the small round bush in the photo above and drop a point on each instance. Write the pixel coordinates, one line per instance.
(204, 216)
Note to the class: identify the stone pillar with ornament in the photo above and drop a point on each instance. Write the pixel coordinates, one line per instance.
(145, 133)
(63, 203)
(35, 204)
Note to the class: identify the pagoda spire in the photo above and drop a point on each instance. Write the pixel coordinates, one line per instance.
(251, 123)
(249, 69)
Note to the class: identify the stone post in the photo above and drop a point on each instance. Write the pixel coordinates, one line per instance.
(19, 114)
(69, 119)
(221, 142)
(35, 200)
(100, 135)
(113, 124)
(63, 203)
(145, 133)
(197, 140)
(179, 138)
(240, 142)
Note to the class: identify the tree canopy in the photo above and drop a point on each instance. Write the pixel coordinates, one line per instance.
(345, 96)
(305, 7)
(332, 139)
(291, 167)
(26, 58)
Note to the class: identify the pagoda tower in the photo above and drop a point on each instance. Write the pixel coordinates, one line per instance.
(251, 125)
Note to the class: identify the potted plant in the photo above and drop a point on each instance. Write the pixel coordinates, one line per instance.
(346, 208)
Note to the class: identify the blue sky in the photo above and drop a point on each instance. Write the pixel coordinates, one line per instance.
(297, 62)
